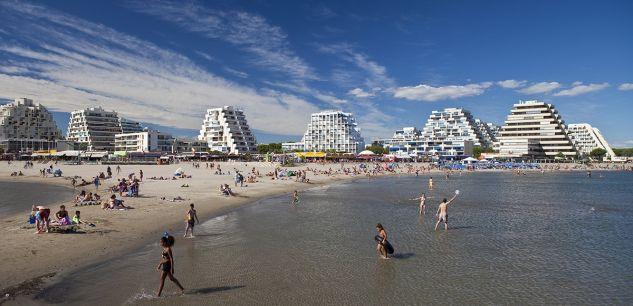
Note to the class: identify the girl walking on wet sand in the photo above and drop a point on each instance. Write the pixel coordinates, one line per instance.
(166, 266)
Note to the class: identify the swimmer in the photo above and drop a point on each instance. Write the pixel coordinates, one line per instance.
(166, 266)
(422, 199)
(442, 213)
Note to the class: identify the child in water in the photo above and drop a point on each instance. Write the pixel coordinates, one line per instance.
(295, 197)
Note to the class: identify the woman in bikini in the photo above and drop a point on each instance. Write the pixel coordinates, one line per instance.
(166, 266)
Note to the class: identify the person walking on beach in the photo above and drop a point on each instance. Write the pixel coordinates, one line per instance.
(191, 219)
(422, 199)
(383, 248)
(140, 174)
(97, 182)
(166, 266)
(118, 169)
(442, 213)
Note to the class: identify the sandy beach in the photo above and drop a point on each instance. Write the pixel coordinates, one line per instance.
(29, 255)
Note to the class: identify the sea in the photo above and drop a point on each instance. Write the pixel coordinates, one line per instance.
(538, 238)
(18, 196)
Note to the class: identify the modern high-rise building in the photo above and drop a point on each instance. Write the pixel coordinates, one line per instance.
(450, 133)
(147, 141)
(588, 138)
(404, 142)
(333, 131)
(129, 126)
(487, 131)
(534, 129)
(94, 127)
(226, 130)
(26, 126)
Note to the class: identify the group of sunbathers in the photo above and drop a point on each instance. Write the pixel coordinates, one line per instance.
(40, 215)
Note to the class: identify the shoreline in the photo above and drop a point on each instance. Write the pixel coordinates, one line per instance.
(94, 251)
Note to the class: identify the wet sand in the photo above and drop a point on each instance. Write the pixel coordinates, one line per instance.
(18, 195)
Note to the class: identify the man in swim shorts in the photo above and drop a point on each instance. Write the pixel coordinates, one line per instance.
(442, 213)
(190, 219)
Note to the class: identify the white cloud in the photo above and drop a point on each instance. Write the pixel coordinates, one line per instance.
(360, 93)
(626, 86)
(511, 84)
(73, 63)
(541, 87)
(582, 89)
(429, 93)
(576, 83)
(250, 32)
(237, 73)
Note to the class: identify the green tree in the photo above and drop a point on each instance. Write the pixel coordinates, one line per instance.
(628, 152)
(263, 148)
(478, 150)
(560, 155)
(377, 149)
(598, 153)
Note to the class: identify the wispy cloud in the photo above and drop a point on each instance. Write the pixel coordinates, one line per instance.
(430, 93)
(69, 63)
(375, 75)
(511, 84)
(236, 72)
(250, 32)
(542, 87)
(580, 89)
(360, 93)
(625, 86)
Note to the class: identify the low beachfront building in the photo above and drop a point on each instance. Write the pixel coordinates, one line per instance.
(534, 129)
(26, 126)
(333, 130)
(146, 141)
(130, 126)
(587, 138)
(450, 134)
(186, 145)
(293, 147)
(95, 128)
(226, 130)
(406, 142)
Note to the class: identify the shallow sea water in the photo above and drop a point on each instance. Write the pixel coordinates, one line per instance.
(534, 239)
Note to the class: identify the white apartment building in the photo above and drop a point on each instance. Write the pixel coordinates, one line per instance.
(226, 130)
(147, 141)
(95, 127)
(129, 126)
(450, 133)
(333, 130)
(26, 126)
(539, 122)
(404, 142)
(292, 146)
(487, 131)
(588, 138)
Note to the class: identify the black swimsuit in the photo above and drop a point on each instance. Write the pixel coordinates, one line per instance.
(166, 266)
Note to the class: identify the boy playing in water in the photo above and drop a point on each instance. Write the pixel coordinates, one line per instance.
(422, 199)
(295, 197)
(191, 219)
(442, 214)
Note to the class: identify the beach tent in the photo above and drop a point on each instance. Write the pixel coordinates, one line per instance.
(469, 160)
(366, 152)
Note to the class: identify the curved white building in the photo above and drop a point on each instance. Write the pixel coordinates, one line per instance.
(26, 126)
(588, 138)
(94, 127)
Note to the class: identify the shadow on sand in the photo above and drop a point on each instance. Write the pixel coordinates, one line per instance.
(210, 290)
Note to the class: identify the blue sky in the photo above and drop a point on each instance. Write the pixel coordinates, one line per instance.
(389, 62)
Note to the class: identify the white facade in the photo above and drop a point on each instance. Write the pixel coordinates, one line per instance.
(292, 146)
(95, 127)
(538, 121)
(333, 131)
(588, 138)
(487, 131)
(148, 141)
(404, 142)
(129, 126)
(26, 126)
(226, 130)
(450, 133)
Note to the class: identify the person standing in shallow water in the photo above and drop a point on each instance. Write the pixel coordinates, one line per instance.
(431, 183)
(166, 266)
(384, 248)
(422, 198)
(191, 219)
(442, 211)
